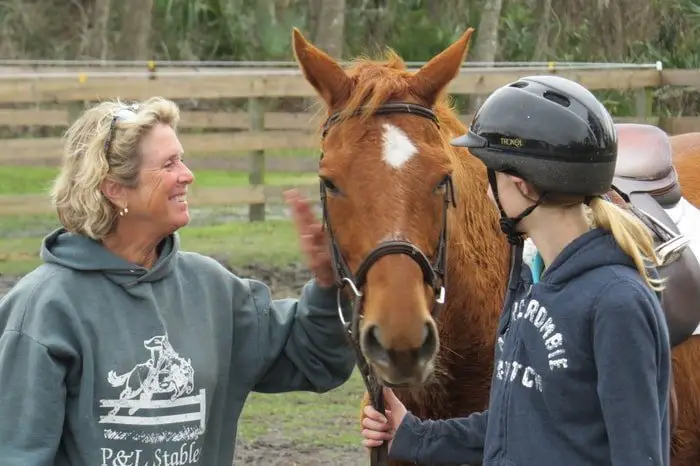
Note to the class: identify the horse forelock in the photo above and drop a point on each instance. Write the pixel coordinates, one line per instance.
(375, 82)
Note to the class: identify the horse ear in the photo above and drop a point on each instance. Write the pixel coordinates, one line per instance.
(321, 71)
(434, 76)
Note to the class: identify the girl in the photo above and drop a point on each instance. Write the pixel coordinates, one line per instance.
(582, 360)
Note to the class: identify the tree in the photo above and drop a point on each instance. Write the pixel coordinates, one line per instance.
(486, 43)
(136, 21)
(329, 26)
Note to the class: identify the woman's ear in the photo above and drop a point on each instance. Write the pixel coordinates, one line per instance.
(524, 187)
(114, 192)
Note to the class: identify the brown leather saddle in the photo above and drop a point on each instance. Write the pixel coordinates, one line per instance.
(647, 181)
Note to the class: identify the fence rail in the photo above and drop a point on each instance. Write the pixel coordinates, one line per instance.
(96, 85)
(51, 98)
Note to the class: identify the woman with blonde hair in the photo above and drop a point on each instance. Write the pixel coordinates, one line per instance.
(123, 349)
(582, 355)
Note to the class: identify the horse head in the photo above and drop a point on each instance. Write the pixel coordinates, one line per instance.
(387, 192)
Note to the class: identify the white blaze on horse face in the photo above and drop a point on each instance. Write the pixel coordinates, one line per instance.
(398, 148)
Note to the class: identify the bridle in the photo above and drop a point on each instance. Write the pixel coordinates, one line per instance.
(434, 274)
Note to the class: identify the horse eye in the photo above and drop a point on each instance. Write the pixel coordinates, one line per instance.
(328, 184)
(442, 185)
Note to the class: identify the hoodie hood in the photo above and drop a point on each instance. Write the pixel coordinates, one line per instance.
(592, 250)
(81, 253)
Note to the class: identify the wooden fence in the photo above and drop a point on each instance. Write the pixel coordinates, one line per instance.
(52, 99)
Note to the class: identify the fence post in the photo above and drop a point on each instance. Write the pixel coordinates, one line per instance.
(256, 176)
(642, 103)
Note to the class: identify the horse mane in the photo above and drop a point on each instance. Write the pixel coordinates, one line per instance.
(375, 82)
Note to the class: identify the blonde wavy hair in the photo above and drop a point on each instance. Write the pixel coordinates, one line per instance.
(76, 193)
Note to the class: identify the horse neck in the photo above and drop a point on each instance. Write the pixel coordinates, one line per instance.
(478, 254)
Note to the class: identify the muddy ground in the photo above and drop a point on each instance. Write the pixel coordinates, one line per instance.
(278, 451)
(274, 449)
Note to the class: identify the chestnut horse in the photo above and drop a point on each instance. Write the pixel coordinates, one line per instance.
(686, 152)
(393, 192)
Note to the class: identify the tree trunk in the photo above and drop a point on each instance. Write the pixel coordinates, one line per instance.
(312, 17)
(544, 12)
(434, 11)
(378, 21)
(98, 36)
(619, 42)
(264, 17)
(486, 44)
(330, 27)
(135, 40)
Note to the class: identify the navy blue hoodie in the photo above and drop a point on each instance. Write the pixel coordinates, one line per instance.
(581, 374)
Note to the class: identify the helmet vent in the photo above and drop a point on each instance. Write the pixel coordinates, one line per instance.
(519, 84)
(557, 98)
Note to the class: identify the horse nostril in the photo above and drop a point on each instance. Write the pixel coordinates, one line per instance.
(373, 346)
(430, 341)
(377, 334)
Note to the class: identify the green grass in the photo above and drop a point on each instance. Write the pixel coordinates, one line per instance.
(37, 180)
(329, 419)
(271, 242)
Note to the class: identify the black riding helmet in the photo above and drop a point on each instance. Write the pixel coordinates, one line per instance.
(548, 130)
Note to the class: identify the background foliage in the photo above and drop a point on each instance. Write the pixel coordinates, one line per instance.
(632, 31)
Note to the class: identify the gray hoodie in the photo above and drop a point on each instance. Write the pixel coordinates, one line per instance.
(103, 362)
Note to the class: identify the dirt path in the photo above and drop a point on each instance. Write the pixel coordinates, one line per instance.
(277, 451)
(274, 449)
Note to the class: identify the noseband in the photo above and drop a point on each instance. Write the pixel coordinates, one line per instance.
(434, 274)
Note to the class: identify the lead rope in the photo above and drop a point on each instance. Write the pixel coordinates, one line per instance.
(379, 456)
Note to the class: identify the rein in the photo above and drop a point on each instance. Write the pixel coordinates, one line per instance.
(434, 274)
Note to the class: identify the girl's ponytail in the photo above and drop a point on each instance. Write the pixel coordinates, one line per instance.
(631, 235)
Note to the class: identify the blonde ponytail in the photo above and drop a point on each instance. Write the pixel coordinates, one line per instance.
(630, 234)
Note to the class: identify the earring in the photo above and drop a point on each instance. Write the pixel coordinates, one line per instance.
(124, 211)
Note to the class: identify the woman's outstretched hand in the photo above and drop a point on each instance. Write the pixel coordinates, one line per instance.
(312, 240)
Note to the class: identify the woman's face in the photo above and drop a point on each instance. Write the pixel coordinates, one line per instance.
(160, 198)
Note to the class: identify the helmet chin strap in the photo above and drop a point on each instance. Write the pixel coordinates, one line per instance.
(509, 226)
